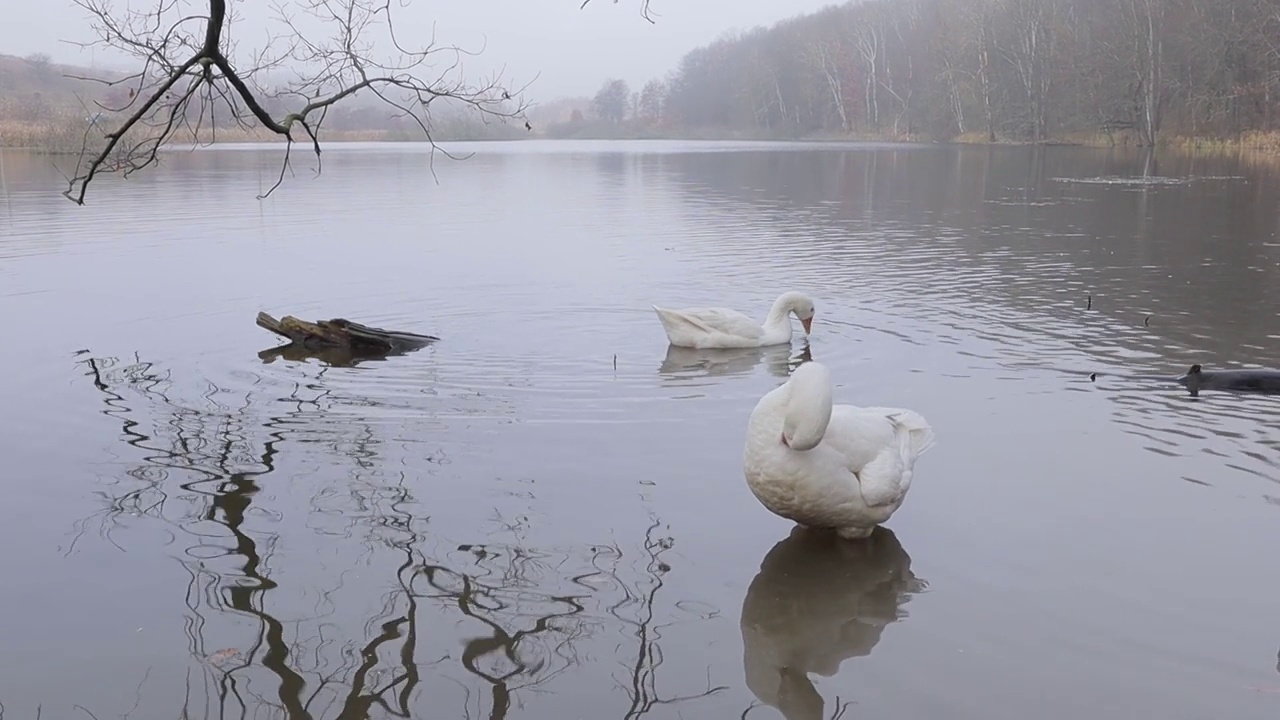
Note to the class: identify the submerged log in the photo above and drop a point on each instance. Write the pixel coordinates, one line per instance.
(338, 337)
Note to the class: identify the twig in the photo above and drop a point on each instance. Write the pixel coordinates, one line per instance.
(173, 47)
(645, 11)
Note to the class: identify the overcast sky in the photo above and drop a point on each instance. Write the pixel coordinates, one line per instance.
(575, 50)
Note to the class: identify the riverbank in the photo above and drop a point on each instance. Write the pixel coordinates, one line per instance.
(1253, 141)
(1260, 141)
(63, 135)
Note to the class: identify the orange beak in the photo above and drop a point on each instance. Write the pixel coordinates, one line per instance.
(808, 325)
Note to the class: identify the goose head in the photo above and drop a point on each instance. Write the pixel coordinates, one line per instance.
(794, 303)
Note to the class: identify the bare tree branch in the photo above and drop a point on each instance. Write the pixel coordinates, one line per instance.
(646, 12)
(190, 69)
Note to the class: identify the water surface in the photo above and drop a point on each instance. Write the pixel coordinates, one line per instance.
(544, 515)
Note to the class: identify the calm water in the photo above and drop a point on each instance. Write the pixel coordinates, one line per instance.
(544, 515)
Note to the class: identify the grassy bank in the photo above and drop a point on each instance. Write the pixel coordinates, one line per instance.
(46, 108)
(590, 129)
(62, 133)
(1261, 141)
(52, 135)
(1266, 142)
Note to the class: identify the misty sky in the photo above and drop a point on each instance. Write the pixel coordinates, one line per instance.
(575, 50)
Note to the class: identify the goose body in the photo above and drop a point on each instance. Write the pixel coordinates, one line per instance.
(717, 327)
(822, 465)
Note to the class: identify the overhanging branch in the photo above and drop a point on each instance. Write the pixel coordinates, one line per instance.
(173, 42)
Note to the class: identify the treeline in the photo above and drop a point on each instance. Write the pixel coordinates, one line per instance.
(361, 116)
(1026, 70)
(48, 106)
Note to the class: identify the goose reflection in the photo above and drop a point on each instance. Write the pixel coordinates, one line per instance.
(817, 601)
(683, 363)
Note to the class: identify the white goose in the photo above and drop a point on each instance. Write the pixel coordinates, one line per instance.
(716, 327)
(830, 466)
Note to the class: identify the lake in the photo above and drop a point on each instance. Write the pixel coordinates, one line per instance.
(543, 515)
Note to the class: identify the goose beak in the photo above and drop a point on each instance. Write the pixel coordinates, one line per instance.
(808, 324)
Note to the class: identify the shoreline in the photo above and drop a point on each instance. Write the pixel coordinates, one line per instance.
(53, 141)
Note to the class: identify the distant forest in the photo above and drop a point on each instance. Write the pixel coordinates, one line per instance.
(1135, 72)
(980, 70)
(47, 106)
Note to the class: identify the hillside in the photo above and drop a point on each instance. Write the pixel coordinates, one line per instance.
(1128, 71)
(44, 106)
(21, 78)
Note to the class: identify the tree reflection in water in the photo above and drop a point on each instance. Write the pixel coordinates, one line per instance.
(200, 474)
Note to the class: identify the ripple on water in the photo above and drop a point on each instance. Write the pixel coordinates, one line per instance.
(414, 519)
(1028, 309)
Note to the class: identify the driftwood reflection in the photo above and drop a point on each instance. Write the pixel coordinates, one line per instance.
(334, 356)
(817, 601)
(202, 471)
(682, 363)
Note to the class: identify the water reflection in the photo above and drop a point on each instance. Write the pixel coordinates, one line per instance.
(1176, 253)
(956, 276)
(331, 356)
(523, 612)
(684, 363)
(817, 601)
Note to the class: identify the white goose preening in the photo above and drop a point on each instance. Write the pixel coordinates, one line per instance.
(717, 327)
(830, 466)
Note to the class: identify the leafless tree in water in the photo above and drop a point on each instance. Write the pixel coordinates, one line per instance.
(195, 81)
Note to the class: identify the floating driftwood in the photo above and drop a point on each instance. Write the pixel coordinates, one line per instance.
(338, 341)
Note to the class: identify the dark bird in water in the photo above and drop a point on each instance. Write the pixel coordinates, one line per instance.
(1258, 381)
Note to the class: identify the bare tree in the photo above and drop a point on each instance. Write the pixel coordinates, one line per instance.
(870, 40)
(824, 57)
(1148, 20)
(41, 63)
(193, 81)
(610, 103)
(652, 98)
(646, 11)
